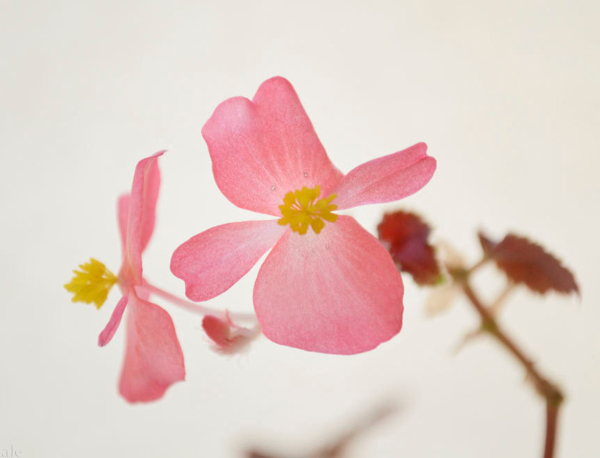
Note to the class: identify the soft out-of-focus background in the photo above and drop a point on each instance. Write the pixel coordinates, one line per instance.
(505, 94)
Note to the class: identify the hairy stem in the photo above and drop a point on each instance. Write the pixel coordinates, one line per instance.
(193, 307)
(548, 390)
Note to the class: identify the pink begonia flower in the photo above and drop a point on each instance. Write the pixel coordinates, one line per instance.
(153, 356)
(331, 289)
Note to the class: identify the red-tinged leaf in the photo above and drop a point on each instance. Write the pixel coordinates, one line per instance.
(528, 263)
(405, 235)
(486, 244)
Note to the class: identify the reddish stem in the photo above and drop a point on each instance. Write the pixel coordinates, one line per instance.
(551, 426)
(551, 393)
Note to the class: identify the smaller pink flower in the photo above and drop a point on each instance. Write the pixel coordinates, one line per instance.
(228, 337)
(327, 285)
(153, 356)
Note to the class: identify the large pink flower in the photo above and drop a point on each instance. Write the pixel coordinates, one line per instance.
(153, 356)
(327, 285)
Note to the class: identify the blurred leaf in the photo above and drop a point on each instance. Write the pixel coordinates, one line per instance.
(486, 244)
(441, 298)
(406, 237)
(528, 263)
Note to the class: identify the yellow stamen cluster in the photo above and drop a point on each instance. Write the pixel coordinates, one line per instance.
(92, 283)
(301, 209)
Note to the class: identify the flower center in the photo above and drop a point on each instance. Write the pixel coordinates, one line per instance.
(301, 209)
(92, 283)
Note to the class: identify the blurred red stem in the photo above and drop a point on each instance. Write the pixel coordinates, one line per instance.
(551, 393)
(551, 426)
(501, 299)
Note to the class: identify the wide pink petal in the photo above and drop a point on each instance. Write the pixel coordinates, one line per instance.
(153, 356)
(336, 292)
(213, 261)
(142, 204)
(265, 148)
(386, 179)
(113, 324)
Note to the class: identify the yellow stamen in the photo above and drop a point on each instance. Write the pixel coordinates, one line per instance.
(301, 209)
(92, 283)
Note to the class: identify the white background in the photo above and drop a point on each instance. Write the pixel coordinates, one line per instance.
(506, 96)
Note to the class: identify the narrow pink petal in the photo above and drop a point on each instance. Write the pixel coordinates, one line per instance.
(142, 203)
(213, 261)
(123, 218)
(153, 357)
(150, 197)
(113, 324)
(386, 179)
(265, 148)
(336, 292)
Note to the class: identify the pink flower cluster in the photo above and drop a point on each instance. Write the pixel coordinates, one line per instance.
(327, 285)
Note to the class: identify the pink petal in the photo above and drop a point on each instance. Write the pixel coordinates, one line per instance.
(150, 197)
(213, 261)
(123, 218)
(113, 324)
(153, 357)
(142, 204)
(336, 292)
(218, 330)
(386, 179)
(265, 148)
